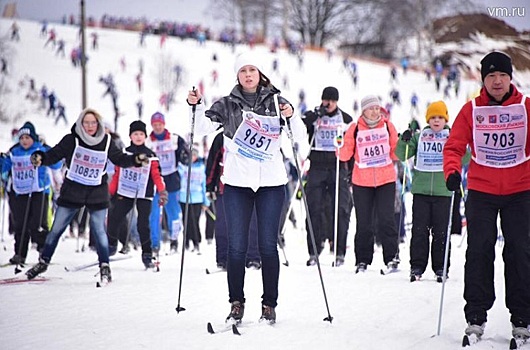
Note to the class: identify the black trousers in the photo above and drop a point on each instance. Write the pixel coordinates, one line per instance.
(34, 205)
(430, 215)
(320, 191)
(482, 210)
(193, 231)
(120, 206)
(370, 203)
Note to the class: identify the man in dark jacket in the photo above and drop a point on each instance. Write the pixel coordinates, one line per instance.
(324, 124)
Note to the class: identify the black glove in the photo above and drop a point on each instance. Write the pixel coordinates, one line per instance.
(453, 181)
(36, 158)
(321, 110)
(406, 136)
(141, 159)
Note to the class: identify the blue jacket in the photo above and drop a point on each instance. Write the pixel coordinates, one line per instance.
(197, 183)
(43, 173)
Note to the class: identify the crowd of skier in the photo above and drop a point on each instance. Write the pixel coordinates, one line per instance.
(244, 183)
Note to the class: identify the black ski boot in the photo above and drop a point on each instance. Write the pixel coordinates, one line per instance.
(36, 270)
(236, 313)
(147, 259)
(268, 314)
(361, 267)
(104, 273)
(17, 260)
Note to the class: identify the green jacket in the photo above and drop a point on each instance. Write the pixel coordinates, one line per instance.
(426, 183)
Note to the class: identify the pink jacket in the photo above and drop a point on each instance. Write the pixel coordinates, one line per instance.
(371, 176)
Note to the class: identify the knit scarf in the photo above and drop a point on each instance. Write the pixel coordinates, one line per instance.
(372, 123)
(83, 135)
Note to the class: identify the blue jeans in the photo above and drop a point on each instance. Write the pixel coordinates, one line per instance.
(63, 217)
(240, 202)
(174, 218)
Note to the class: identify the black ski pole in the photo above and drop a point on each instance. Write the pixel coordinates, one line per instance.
(310, 225)
(23, 234)
(187, 207)
(79, 219)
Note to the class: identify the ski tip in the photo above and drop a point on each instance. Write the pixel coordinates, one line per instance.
(235, 330)
(98, 285)
(209, 327)
(465, 341)
(513, 344)
(207, 271)
(382, 272)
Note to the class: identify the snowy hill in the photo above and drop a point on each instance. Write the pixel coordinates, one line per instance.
(137, 311)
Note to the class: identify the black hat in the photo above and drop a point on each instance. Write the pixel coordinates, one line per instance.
(330, 93)
(28, 129)
(496, 62)
(137, 125)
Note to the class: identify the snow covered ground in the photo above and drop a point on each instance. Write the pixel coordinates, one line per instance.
(137, 311)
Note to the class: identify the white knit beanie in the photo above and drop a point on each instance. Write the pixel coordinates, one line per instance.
(370, 101)
(247, 58)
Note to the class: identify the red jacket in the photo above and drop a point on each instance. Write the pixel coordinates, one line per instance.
(372, 176)
(497, 181)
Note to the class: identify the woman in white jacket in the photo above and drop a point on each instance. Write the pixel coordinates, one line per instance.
(253, 117)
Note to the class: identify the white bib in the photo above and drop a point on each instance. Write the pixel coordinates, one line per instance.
(326, 132)
(133, 181)
(257, 137)
(499, 135)
(88, 166)
(166, 156)
(429, 155)
(25, 176)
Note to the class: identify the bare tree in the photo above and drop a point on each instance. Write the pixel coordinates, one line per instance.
(318, 21)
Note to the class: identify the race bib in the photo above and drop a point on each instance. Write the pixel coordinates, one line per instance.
(257, 137)
(373, 148)
(499, 135)
(166, 156)
(429, 155)
(88, 166)
(25, 179)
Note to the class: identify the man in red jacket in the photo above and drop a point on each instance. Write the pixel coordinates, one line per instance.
(495, 125)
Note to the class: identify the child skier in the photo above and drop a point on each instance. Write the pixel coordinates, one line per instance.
(431, 198)
(197, 195)
(135, 186)
(29, 186)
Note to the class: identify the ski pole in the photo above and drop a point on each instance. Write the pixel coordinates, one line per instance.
(79, 219)
(209, 212)
(446, 262)
(3, 208)
(403, 183)
(338, 142)
(310, 226)
(24, 226)
(188, 197)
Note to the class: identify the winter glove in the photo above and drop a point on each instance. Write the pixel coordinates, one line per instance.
(453, 181)
(36, 158)
(163, 197)
(406, 136)
(141, 159)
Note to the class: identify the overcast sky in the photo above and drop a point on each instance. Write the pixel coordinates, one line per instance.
(194, 11)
